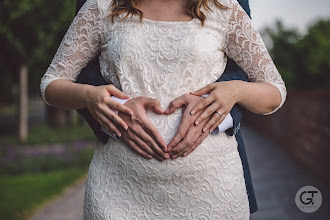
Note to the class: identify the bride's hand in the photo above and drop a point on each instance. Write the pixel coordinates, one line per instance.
(100, 105)
(141, 135)
(222, 97)
(188, 136)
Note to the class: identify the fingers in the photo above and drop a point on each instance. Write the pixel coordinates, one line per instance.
(116, 92)
(205, 90)
(207, 113)
(146, 148)
(111, 115)
(117, 106)
(198, 142)
(188, 142)
(214, 122)
(108, 125)
(175, 104)
(182, 131)
(138, 150)
(206, 102)
(153, 137)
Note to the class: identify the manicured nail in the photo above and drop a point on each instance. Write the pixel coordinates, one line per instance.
(185, 154)
(119, 134)
(192, 112)
(211, 130)
(125, 127)
(197, 122)
(204, 130)
(131, 113)
(166, 156)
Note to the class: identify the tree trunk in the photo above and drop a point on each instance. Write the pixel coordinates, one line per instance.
(23, 104)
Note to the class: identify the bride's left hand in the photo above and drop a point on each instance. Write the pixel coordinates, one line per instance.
(222, 97)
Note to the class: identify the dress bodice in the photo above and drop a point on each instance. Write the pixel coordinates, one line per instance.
(162, 59)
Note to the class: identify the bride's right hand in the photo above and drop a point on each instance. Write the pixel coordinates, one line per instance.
(101, 105)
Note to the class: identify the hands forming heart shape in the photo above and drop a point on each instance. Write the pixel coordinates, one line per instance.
(143, 137)
(136, 130)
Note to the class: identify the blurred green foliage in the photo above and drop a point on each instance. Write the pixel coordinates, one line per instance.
(302, 59)
(43, 134)
(24, 193)
(30, 32)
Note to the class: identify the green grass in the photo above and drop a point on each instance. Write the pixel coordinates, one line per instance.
(23, 194)
(43, 134)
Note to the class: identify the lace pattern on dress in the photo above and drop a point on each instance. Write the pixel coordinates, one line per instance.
(80, 44)
(246, 47)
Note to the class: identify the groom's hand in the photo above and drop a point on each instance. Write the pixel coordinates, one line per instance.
(189, 136)
(141, 135)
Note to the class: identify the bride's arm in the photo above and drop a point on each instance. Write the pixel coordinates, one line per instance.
(80, 44)
(265, 93)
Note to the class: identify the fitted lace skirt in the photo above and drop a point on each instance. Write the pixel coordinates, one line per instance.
(207, 184)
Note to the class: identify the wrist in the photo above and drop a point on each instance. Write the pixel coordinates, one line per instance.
(240, 93)
(87, 96)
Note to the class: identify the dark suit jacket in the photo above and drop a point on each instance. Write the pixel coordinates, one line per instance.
(91, 75)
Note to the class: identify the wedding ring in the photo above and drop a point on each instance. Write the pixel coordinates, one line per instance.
(219, 114)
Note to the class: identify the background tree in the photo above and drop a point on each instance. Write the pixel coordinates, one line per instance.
(303, 60)
(30, 33)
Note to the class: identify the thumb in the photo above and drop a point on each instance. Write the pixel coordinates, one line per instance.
(155, 106)
(116, 92)
(205, 90)
(174, 105)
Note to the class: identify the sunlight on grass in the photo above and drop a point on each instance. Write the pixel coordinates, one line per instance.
(21, 195)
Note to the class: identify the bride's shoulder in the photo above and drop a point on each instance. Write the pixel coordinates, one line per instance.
(220, 10)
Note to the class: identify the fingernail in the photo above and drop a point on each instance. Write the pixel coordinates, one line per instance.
(131, 113)
(197, 122)
(192, 112)
(125, 127)
(185, 154)
(149, 156)
(119, 134)
(204, 130)
(211, 130)
(166, 156)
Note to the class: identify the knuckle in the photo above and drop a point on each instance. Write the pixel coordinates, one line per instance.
(190, 142)
(99, 106)
(104, 99)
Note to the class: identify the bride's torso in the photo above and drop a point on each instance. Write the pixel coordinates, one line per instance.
(162, 60)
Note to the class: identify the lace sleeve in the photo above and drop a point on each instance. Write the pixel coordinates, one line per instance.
(80, 44)
(246, 48)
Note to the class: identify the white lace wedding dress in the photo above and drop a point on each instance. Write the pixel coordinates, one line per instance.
(164, 60)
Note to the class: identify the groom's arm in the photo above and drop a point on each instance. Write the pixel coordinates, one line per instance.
(234, 72)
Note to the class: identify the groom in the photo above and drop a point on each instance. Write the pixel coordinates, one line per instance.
(92, 75)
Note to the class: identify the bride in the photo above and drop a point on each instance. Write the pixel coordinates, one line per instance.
(162, 50)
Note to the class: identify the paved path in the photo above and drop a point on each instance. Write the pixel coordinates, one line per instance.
(276, 179)
(67, 207)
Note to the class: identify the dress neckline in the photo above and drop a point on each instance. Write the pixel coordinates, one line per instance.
(168, 22)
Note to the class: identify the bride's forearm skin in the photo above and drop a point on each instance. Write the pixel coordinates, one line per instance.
(259, 97)
(68, 95)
